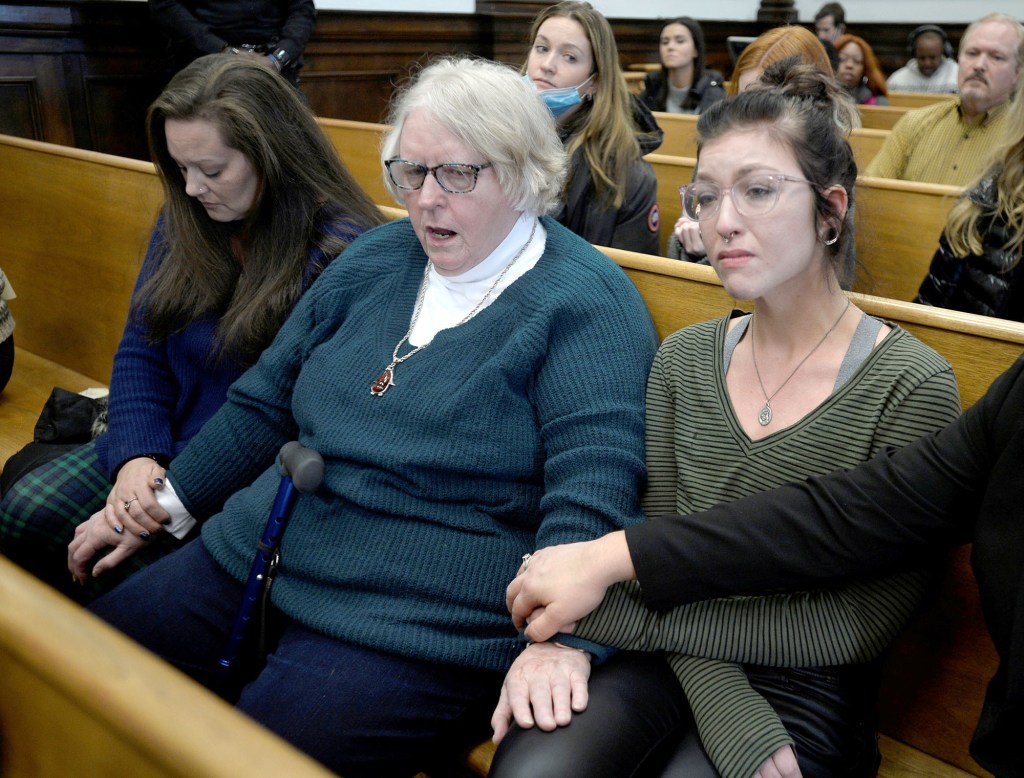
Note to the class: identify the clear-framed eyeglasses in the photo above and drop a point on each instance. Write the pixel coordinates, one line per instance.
(753, 195)
(453, 177)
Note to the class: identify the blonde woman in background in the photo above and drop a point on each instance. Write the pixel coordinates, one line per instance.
(977, 267)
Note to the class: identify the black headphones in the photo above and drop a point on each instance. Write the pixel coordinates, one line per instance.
(947, 47)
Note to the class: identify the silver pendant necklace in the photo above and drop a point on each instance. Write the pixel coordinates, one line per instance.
(764, 418)
(387, 379)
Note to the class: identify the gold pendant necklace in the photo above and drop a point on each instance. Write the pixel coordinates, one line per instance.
(764, 417)
(387, 379)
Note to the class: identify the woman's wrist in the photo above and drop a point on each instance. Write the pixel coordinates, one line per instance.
(612, 559)
(161, 459)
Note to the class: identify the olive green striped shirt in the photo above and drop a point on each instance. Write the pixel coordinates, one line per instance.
(698, 456)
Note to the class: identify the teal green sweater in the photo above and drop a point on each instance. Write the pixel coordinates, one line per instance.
(519, 429)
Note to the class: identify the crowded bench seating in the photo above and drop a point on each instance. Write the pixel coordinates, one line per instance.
(898, 222)
(681, 138)
(934, 682)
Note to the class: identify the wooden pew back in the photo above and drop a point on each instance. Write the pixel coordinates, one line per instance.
(880, 117)
(681, 138)
(634, 81)
(898, 226)
(358, 144)
(912, 100)
(75, 226)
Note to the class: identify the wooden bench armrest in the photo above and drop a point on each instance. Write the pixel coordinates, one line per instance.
(109, 706)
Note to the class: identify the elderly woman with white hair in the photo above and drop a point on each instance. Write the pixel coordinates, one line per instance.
(473, 377)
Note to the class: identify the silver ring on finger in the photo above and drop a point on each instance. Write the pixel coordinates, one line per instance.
(526, 562)
(128, 504)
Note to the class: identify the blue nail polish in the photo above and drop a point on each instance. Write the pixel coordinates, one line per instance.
(144, 535)
(118, 530)
(158, 481)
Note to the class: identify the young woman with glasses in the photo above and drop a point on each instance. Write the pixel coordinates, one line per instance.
(805, 384)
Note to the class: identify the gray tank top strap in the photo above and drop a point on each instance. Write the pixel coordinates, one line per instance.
(860, 348)
(732, 337)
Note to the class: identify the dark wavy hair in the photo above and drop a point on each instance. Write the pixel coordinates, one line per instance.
(247, 273)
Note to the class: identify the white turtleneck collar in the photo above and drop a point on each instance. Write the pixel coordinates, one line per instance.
(448, 299)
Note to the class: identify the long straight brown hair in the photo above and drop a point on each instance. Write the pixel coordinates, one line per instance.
(247, 273)
(604, 126)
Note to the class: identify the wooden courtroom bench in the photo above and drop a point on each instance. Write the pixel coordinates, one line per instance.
(936, 675)
(79, 698)
(912, 100)
(681, 138)
(634, 81)
(898, 227)
(897, 223)
(880, 117)
(358, 143)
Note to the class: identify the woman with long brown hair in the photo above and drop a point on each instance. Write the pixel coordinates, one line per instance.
(611, 195)
(257, 204)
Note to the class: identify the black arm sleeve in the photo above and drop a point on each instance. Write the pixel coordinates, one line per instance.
(850, 524)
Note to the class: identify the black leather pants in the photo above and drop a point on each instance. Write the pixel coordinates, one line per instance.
(638, 724)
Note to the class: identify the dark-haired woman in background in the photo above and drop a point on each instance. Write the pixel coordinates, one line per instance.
(684, 84)
(859, 72)
(257, 204)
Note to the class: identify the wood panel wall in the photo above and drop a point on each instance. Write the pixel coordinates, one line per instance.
(81, 72)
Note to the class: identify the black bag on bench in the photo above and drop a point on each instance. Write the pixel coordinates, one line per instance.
(68, 420)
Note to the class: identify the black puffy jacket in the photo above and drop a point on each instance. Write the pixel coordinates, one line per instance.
(989, 283)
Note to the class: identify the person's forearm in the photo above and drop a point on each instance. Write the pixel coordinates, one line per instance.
(846, 526)
(848, 625)
(558, 585)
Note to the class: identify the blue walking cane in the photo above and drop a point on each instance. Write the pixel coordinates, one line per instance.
(302, 470)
